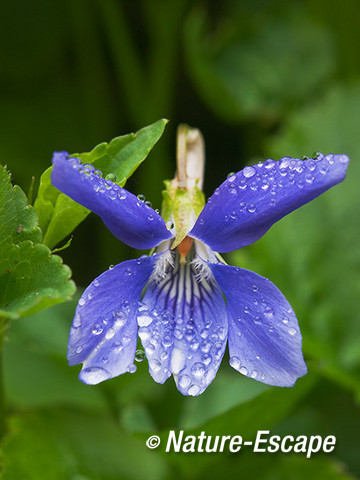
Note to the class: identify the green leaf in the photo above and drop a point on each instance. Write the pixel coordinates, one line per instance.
(58, 214)
(31, 278)
(64, 444)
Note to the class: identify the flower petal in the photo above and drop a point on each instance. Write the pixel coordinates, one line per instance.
(103, 335)
(264, 336)
(184, 328)
(129, 219)
(245, 206)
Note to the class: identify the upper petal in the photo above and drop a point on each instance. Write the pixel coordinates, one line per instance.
(129, 219)
(183, 328)
(264, 336)
(245, 206)
(103, 335)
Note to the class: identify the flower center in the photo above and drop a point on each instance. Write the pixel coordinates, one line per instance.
(185, 246)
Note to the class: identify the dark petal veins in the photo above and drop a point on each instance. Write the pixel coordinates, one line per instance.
(103, 335)
(264, 336)
(249, 202)
(183, 328)
(129, 219)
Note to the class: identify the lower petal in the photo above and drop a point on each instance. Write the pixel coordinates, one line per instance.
(264, 336)
(103, 335)
(184, 328)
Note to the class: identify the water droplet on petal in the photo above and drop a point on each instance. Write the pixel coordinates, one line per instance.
(110, 333)
(254, 374)
(194, 390)
(184, 381)
(235, 362)
(111, 176)
(243, 370)
(198, 369)
(97, 329)
(292, 331)
(132, 368)
(94, 375)
(155, 365)
(82, 301)
(249, 172)
(144, 320)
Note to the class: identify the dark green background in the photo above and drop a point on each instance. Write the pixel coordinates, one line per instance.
(260, 79)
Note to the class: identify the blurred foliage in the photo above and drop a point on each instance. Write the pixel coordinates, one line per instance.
(260, 79)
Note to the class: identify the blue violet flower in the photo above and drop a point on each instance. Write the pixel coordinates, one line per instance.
(183, 300)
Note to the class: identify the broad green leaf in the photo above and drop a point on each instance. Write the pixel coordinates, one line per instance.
(31, 278)
(63, 444)
(257, 67)
(58, 214)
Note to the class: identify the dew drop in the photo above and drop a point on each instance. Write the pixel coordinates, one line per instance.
(141, 197)
(82, 301)
(97, 329)
(109, 334)
(249, 172)
(194, 390)
(323, 168)
(309, 178)
(243, 370)
(155, 365)
(254, 374)
(94, 375)
(132, 368)
(184, 381)
(117, 347)
(251, 208)
(255, 288)
(235, 362)
(111, 177)
(122, 194)
(292, 331)
(206, 359)
(167, 341)
(113, 194)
